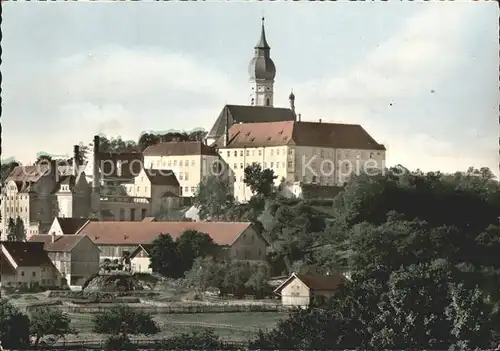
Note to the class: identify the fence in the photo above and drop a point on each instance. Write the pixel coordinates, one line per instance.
(179, 309)
(144, 343)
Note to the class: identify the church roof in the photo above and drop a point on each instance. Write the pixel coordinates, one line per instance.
(261, 66)
(249, 114)
(313, 134)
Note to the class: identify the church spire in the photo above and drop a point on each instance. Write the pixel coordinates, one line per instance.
(262, 44)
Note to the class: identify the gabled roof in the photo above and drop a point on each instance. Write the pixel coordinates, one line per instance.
(313, 134)
(70, 225)
(144, 247)
(248, 114)
(161, 177)
(315, 282)
(136, 233)
(27, 254)
(179, 148)
(62, 243)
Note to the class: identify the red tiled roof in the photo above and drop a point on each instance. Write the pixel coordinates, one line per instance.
(62, 243)
(5, 266)
(27, 254)
(136, 233)
(314, 134)
(179, 148)
(322, 282)
(316, 282)
(70, 225)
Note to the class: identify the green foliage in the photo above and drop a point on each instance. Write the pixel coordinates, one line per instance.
(164, 257)
(213, 198)
(260, 182)
(47, 325)
(124, 320)
(173, 258)
(11, 230)
(231, 277)
(202, 339)
(20, 230)
(14, 327)
(118, 342)
(422, 250)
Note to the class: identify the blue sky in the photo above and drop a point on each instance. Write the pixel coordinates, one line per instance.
(422, 78)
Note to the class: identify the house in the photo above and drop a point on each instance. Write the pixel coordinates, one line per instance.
(139, 259)
(38, 193)
(76, 257)
(300, 289)
(67, 225)
(26, 264)
(239, 240)
(326, 154)
(191, 161)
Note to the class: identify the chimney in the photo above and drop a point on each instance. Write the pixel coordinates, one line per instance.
(53, 234)
(76, 157)
(95, 175)
(320, 120)
(300, 116)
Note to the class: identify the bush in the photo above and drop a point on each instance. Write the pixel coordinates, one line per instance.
(204, 339)
(118, 342)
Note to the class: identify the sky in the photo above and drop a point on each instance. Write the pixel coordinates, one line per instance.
(421, 78)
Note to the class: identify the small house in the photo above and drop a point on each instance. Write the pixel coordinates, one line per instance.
(139, 259)
(300, 289)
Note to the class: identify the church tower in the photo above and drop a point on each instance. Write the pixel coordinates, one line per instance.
(262, 72)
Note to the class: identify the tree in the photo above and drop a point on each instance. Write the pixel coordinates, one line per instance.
(147, 139)
(11, 230)
(122, 321)
(213, 198)
(200, 339)
(165, 258)
(14, 327)
(261, 182)
(20, 230)
(192, 244)
(48, 325)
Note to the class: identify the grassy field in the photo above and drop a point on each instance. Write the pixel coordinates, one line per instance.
(229, 326)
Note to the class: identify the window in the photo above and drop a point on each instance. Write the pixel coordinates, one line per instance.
(314, 179)
(248, 153)
(290, 164)
(34, 274)
(241, 153)
(235, 166)
(180, 163)
(272, 152)
(241, 165)
(169, 163)
(253, 152)
(290, 152)
(132, 214)
(192, 189)
(321, 153)
(272, 165)
(143, 213)
(186, 163)
(268, 102)
(181, 177)
(235, 153)
(146, 189)
(192, 162)
(175, 162)
(22, 273)
(228, 153)
(122, 214)
(186, 176)
(260, 152)
(265, 164)
(186, 189)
